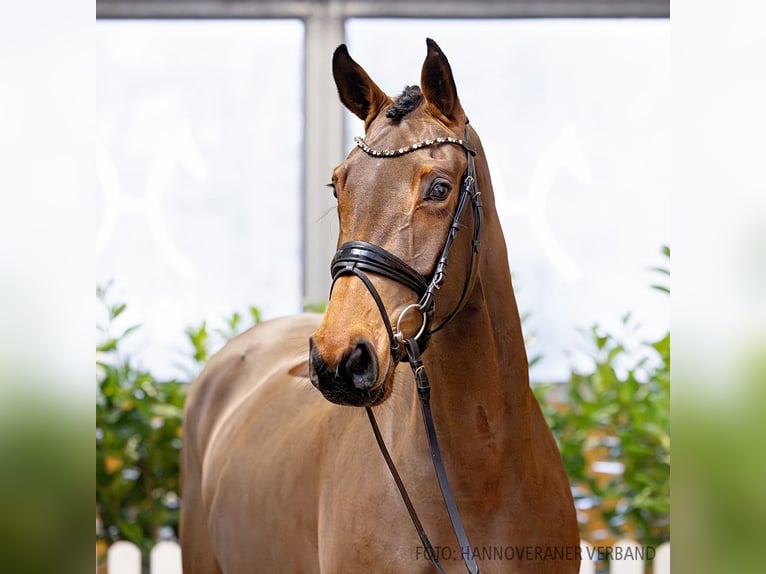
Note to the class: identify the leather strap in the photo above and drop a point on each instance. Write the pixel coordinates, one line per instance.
(353, 270)
(470, 189)
(371, 258)
(424, 395)
(428, 548)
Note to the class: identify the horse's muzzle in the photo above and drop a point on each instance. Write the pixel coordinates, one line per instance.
(352, 380)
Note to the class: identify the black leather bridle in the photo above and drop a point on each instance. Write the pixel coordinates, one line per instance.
(359, 258)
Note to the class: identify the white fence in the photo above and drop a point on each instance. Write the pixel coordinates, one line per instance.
(627, 557)
(125, 558)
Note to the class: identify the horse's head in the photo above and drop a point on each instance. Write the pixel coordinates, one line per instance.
(398, 192)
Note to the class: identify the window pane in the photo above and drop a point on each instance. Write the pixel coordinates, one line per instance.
(199, 163)
(574, 118)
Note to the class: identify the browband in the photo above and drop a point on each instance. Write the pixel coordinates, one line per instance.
(466, 145)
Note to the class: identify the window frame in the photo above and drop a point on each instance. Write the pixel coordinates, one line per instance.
(324, 25)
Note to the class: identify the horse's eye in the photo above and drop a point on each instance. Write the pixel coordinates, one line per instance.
(331, 185)
(439, 191)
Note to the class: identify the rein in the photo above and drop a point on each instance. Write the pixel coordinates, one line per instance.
(359, 258)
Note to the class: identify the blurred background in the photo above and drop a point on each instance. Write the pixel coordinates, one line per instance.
(218, 126)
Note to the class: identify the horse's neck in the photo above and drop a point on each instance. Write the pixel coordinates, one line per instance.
(479, 373)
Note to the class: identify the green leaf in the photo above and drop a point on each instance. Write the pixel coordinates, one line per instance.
(108, 345)
(199, 339)
(129, 330)
(131, 531)
(102, 291)
(116, 310)
(601, 341)
(663, 346)
(168, 411)
(234, 321)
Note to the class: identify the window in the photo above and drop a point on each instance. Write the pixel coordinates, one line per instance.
(203, 210)
(199, 154)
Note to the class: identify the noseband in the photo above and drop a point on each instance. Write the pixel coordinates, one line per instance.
(359, 258)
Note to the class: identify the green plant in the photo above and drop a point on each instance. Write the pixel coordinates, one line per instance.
(138, 437)
(618, 411)
(202, 341)
(138, 431)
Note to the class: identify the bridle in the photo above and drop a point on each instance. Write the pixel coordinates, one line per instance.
(359, 258)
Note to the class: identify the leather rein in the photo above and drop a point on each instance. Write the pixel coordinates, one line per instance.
(359, 258)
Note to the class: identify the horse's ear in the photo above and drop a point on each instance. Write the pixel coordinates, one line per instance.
(438, 85)
(357, 91)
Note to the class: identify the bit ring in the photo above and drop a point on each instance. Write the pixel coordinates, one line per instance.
(398, 335)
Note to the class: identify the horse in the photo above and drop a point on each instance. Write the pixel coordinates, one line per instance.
(280, 467)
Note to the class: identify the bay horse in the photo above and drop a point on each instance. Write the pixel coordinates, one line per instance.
(278, 477)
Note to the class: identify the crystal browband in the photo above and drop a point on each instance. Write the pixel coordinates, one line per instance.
(410, 148)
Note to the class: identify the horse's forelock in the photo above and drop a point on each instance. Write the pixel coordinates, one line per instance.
(407, 101)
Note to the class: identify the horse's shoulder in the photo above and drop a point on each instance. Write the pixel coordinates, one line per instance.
(273, 347)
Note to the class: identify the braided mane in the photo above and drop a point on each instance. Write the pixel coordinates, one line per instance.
(407, 101)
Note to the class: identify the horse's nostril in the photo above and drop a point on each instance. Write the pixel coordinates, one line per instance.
(360, 367)
(357, 370)
(318, 370)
